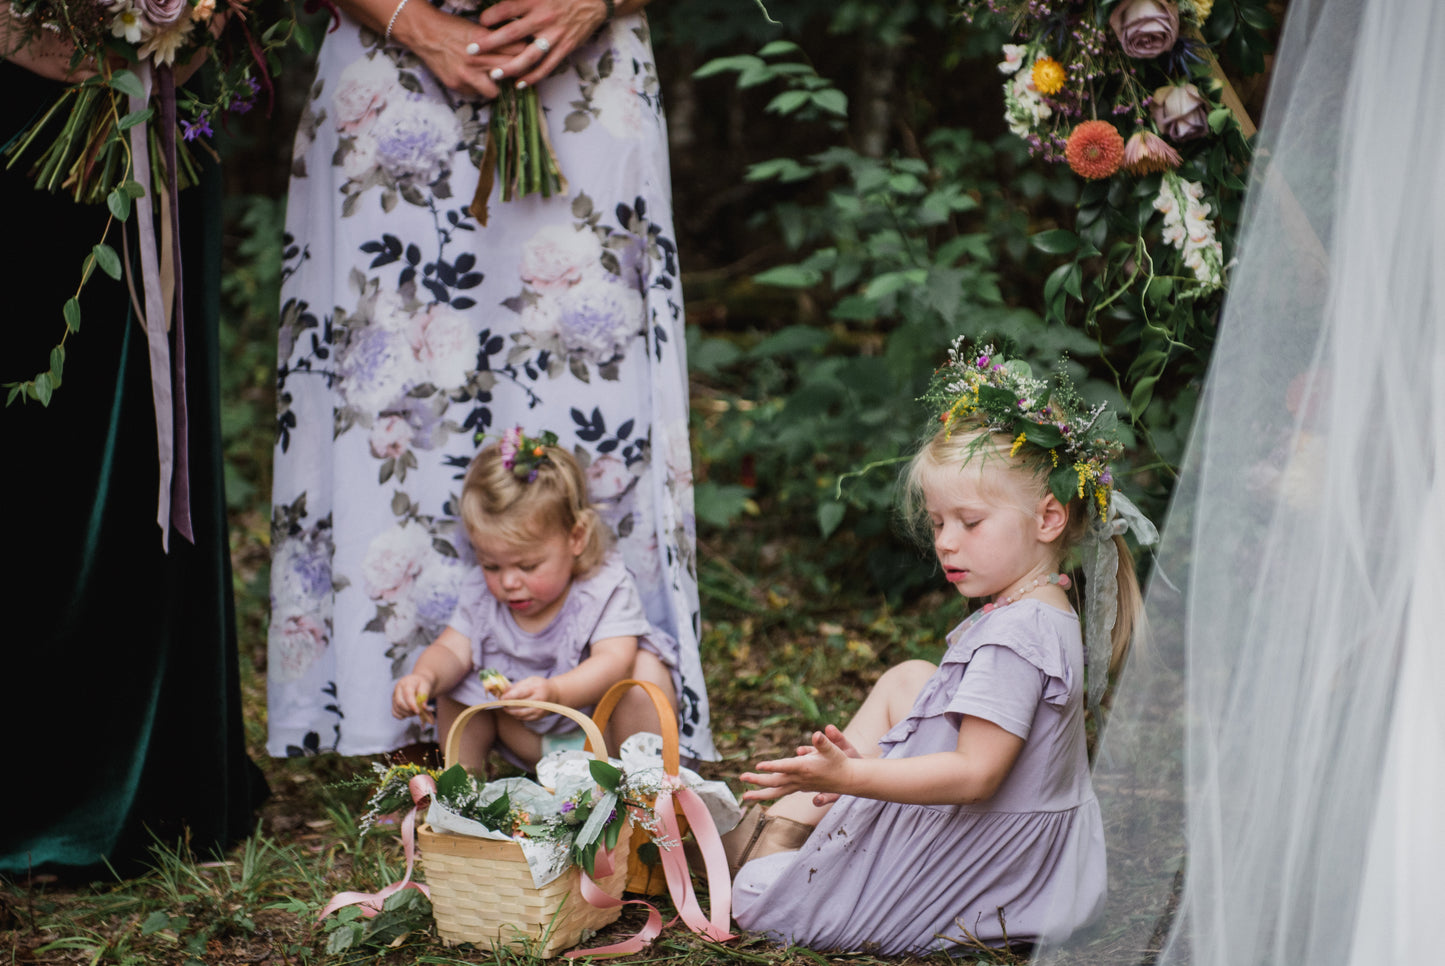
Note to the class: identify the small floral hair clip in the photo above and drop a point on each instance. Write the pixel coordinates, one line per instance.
(523, 454)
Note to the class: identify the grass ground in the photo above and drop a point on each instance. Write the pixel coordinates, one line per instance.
(783, 659)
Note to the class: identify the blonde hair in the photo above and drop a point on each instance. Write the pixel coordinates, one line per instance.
(1008, 479)
(498, 505)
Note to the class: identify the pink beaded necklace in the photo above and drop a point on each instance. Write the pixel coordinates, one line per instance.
(1061, 579)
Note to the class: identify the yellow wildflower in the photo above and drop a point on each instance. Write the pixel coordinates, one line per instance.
(1048, 75)
(1018, 444)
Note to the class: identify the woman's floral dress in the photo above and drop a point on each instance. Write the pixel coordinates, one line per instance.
(407, 328)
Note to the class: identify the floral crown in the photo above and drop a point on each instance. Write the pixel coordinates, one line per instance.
(1047, 419)
(523, 454)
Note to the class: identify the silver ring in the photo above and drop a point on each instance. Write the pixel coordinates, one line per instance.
(473, 49)
(542, 44)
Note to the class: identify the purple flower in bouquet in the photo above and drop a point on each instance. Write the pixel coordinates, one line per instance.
(200, 127)
(162, 13)
(1180, 112)
(1145, 28)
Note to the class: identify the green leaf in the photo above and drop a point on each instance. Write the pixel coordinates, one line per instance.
(605, 774)
(135, 117)
(1218, 118)
(155, 922)
(57, 363)
(1058, 241)
(119, 203)
(72, 314)
(1257, 17)
(453, 780)
(134, 188)
(720, 65)
(107, 259)
(832, 100)
(788, 101)
(41, 388)
(719, 504)
(1064, 484)
(127, 83)
(777, 48)
(789, 276)
(992, 399)
(1055, 282)
(1046, 435)
(307, 43)
(1142, 394)
(830, 514)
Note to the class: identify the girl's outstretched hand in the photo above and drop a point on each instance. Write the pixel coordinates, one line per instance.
(825, 768)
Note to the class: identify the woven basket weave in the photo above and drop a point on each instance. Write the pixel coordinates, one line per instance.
(482, 891)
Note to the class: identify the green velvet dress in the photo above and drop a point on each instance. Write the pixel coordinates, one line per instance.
(121, 697)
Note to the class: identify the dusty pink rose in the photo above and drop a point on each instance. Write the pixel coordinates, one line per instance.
(1145, 28)
(162, 13)
(1181, 112)
(557, 256)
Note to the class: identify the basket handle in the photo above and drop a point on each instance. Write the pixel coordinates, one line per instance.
(665, 715)
(595, 743)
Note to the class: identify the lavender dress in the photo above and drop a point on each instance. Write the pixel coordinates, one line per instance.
(910, 878)
(603, 604)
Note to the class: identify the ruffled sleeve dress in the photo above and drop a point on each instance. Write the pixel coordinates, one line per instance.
(1028, 864)
(601, 605)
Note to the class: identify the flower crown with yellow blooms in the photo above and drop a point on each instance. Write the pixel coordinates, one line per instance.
(1050, 424)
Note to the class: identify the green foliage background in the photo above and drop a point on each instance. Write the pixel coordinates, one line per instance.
(848, 202)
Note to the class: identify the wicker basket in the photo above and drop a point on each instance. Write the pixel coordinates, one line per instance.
(482, 891)
(643, 877)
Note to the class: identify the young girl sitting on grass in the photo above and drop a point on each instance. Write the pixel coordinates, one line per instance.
(956, 805)
(550, 613)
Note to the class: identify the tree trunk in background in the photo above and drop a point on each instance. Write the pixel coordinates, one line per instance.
(877, 77)
(681, 102)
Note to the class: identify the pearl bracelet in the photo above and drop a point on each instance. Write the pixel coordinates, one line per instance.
(392, 22)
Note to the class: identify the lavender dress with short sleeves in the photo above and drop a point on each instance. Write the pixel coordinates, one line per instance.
(601, 605)
(897, 878)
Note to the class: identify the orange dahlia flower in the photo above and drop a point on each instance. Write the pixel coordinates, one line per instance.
(1094, 150)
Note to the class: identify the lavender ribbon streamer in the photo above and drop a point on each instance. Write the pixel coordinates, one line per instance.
(181, 480)
(173, 505)
(155, 316)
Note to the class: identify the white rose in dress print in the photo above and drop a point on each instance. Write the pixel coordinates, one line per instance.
(362, 91)
(390, 437)
(415, 140)
(621, 108)
(377, 368)
(393, 561)
(597, 318)
(558, 256)
(445, 345)
(608, 478)
(294, 642)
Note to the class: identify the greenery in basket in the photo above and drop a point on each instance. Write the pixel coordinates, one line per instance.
(583, 821)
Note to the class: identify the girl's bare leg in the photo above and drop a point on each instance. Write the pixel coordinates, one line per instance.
(477, 735)
(635, 713)
(887, 704)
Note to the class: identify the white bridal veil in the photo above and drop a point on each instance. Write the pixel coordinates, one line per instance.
(1273, 773)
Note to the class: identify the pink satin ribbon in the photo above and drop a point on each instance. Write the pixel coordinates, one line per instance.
(421, 787)
(679, 879)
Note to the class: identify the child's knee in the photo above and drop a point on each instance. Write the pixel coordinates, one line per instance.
(908, 675)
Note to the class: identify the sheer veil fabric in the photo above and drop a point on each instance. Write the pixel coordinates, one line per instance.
(1272, 776)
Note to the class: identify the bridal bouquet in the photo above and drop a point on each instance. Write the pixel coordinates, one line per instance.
(87, 156)
(126, 125)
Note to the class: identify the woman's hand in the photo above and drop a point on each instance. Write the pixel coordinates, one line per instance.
(462, 55)
(549, 30)
(825, 767)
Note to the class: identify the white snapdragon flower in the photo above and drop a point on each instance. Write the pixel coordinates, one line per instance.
(128, 25)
